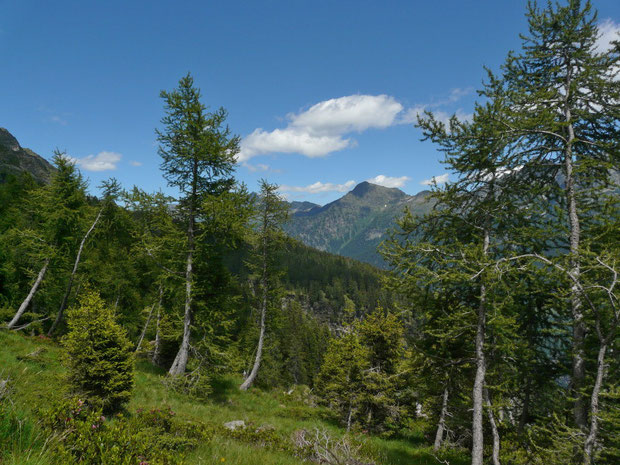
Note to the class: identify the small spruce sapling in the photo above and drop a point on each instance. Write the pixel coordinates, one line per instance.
(98, 354)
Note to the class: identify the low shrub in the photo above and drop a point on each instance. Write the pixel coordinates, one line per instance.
(82, 434)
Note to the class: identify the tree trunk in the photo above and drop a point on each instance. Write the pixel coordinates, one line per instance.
(146, 325)
(65, 298)
(478, 394)
(118, 298)
(261, 338)
(180, 361)
(579, 326)
(442, 420)
(496, 441)
(157, 349)
(525, 413)
(594, 408)
(265, 292)
(350, 416)
(33, 290)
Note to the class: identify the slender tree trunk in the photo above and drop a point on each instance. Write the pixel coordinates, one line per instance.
(28, 299)
(494, 430)
(579, 327)
(594, 407)
(263, 313)
(118, 298)
(442, 420)
(65, 298)
(180, 361)
(157, 349)
(478, 392)
(146, 325)
(350, 416)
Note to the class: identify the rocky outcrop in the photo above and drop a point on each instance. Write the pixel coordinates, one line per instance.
(15, 160)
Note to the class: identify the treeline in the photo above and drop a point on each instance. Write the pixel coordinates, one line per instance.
(512, 281)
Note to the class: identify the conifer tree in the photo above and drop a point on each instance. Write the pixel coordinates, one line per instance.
(198, 158)
(562, 99)
(111, 190)
(55, 213)
(98, 354)
(272, 212)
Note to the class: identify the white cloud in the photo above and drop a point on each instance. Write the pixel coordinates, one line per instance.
(321, 129)
(410, 116)
(348, 114)
(135, 163)
(319, 187)
(289, 140)
(441, 179)
(326, 126)
(388, 181)
(608, 31)
(103, 161)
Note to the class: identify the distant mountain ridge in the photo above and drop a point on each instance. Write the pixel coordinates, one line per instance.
(355, 224)
(15, 160)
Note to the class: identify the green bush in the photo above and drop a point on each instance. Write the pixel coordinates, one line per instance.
(98, 354)
(82, 434)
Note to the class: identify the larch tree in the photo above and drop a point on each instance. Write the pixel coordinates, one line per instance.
(271, 214)
(198, 158)
(111, 190)
(562, 95)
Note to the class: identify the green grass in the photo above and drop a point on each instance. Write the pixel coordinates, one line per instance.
(38, 383)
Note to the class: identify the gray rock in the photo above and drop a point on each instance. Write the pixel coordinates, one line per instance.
(233, 425)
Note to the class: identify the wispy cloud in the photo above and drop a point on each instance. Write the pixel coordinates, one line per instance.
(389, 181)
(258, 168)
(103, 161)
(441, 179)
(135, 163)
(410, 116)
(319, 187)
(53, 116)
(59, 120)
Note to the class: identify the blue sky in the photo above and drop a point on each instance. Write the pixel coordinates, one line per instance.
(322, 92)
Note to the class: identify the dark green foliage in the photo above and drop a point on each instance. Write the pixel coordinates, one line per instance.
(294, 348)
(362, 376)
(98, 354)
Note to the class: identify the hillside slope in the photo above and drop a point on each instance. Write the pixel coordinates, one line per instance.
(15, 160)
(34, 381)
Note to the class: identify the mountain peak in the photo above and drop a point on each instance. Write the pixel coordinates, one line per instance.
(365, 189)
(8, 140)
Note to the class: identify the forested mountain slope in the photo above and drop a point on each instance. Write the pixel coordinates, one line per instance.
(355, 224)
